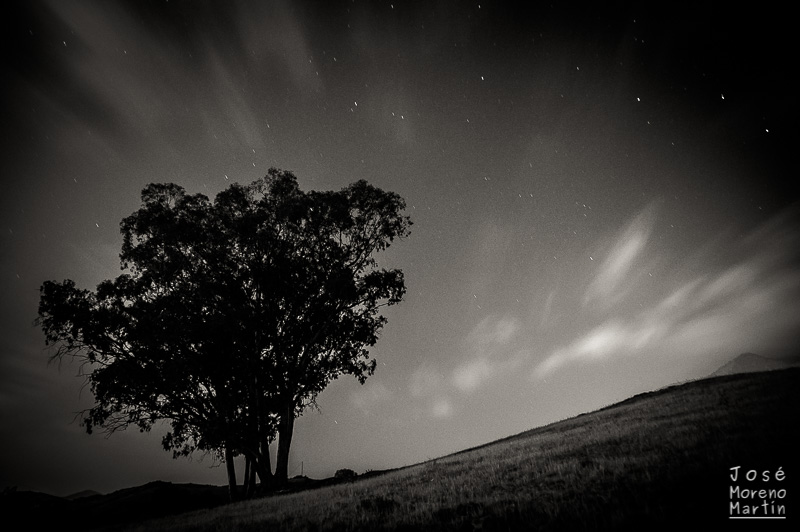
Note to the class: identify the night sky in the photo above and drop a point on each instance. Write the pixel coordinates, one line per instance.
(603, 201)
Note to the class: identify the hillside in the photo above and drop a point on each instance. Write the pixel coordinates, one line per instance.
(659, 460)
(656, 461)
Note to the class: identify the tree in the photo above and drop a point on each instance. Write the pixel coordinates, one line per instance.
(232, 316)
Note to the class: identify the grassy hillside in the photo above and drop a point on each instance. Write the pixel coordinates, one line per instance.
(656, 461)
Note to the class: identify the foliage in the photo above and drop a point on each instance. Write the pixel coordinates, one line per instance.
(345, 474)
(232, 315)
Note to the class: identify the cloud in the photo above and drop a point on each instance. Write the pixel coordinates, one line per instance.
(469, 376)
(130, 78)
(129, 93)
(424, 381)
(230, 102)
(596, 344)
(442, 407)
(547, 310)
(678, 297)
(427, 384)
(752, 303)
(730, 282)
(285, 41)
(607, 285)
(393, 113)
(493, 332)
(494, 243)
(370, 395)
(487, 345)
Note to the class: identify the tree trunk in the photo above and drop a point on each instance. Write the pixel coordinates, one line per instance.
(249, 476)
(251, 479)
(231, 467)
(253, 470)
(264, 466)
(285, 430)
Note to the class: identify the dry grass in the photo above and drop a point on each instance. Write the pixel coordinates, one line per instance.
(646, 463)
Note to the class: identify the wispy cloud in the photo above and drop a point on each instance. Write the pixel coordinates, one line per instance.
(469, 376)
(608, 285)
(370, 395)
(753, 301)
(494, 243)
(442, 407)
(610, 338)
(487, 348)
(131, 82)
(285, 40)
(493, 332)
(428, 386)
(127, 92)
(547, 310)
(424, 381)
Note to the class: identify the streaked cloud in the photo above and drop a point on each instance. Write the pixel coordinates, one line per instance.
(547, 310)
(487, 349)
(428, 387)
(609, 339)
(370, 395)
(493, 332)
(130, 93)
(730, 282)
(469, 376)
(755, 301)
(597, 343)
(608, 285)
(284, 41)
(424, 381)
(441, 408)
(493, 244)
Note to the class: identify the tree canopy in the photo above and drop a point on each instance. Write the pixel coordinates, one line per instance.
(231, 316)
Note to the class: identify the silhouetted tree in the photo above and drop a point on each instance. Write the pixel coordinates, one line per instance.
(233, 315)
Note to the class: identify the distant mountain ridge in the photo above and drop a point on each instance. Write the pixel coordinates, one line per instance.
(82, 495)
(751, 363)
(88, 509)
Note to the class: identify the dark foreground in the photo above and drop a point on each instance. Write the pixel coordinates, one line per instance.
(657, 461)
